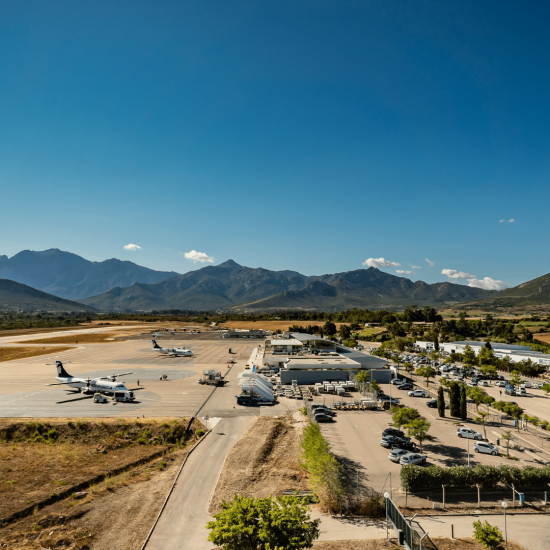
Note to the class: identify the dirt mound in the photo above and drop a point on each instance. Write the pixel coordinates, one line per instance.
(265, 461)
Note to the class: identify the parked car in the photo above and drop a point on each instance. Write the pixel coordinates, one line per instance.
(500, 383)
(405, 445)
(472, 384)
(396, 454)
(405, 386)
(510, 391)
(526, 384)
(484, 383)
(468, 433)
(417, 393)
(322, 410)
(321, 417)
(521, 391)
(397, 381)
(393, 431)
(412, 458)
(487, 448)
(432, 403)
(389, 440)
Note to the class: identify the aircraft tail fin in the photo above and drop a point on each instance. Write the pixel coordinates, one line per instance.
(155, 345)
(61, 372)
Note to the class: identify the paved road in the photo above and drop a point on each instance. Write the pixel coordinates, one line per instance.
(182, 525)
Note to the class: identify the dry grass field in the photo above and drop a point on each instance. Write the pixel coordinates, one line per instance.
(86, 338)
(441, 544)
(11, 353)
(264, 462)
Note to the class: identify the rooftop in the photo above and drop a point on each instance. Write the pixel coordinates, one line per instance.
(322, 363)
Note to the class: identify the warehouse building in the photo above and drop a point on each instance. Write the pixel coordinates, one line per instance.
(236, 333)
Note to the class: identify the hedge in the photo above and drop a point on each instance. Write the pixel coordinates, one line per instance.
(415, 478)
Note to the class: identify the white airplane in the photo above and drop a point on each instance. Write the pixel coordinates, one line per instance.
(173, 352)
(107, 385)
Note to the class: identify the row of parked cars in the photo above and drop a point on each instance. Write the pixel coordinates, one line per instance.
(322, 413)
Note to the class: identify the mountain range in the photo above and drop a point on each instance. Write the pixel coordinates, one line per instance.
(16, 296)
(72, 277)
(232, 286)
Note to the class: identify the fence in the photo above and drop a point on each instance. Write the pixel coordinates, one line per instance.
(412, 538)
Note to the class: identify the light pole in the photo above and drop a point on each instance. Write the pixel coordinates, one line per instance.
(504, 505)
(386, 496)
(468, 453)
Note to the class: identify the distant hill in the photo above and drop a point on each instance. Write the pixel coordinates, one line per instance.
(21, 297)
(231, 286)
(72, 277)
(531, 293)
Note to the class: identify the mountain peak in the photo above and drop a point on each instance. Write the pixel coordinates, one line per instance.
(229, 263)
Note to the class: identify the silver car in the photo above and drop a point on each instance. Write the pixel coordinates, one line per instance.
(397, 454)
(487, 448)
(412, 458)
(469, 434)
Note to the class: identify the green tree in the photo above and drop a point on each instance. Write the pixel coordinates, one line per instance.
(263, 524)
(515, 379)
(329, 328)
(507, 436)
(345, 332)
(482, 419)
(408, 367)
(546, 387)
(441, 402)
(375, 387)
(463, 403)
(478, 396)
(469, 357)
(454, 399)
(362, 379)
(418, 429)
(426, 372)
(402, 416)
(488, 536)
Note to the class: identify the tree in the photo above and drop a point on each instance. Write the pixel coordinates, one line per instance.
(478, 396)
(463, 403)
(454, 398)
(418, 429)
(482, 419)
(546, 387)
(404, 415)
(469, 357)
(436, 343)
(441, 402)
(507, 436)
(263, 524)
(408, 367)
(362, 379)
(329, 328)
(426, 372)
(488, 536)
(345, 332)
(375, 387)
(515, 379)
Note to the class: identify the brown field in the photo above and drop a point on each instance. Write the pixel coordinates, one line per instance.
(86, 338)
(543, 337)
(265, 461)
(272, 325)
(11, 353)
(42, 464)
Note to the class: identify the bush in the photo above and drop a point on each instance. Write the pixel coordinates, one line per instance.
(200, 432)
(415, 478)
(488, 536)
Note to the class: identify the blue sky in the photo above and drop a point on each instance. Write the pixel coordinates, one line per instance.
(309, 136)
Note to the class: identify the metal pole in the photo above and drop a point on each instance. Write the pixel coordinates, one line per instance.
(478, 496)
(513, 496)
(387, 528)
(443, 495)
(468, 453)
(452, 531)
(505, 530)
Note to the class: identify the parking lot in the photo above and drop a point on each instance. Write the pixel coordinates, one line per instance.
(355, 437)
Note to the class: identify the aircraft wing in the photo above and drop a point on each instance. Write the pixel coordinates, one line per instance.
(122, 374)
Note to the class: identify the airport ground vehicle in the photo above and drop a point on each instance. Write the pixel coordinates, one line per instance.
(248, 399)
(468, 433)
(487, 448)
(211, 378)
(412, 458)
(99, 398)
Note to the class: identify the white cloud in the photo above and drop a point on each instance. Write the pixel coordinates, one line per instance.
(488, 283)
(380, 262)
(511, 220)
(405, 272)
(199, 257)
(454, 274)
(132, 247)
(415, 266)
(430, 262)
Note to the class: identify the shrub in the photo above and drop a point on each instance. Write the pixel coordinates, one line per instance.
(488, 536)
(200, 432)
(162, 465)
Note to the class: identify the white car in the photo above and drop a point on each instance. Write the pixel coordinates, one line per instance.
(500, 383)
(397, 454)
(412, 458)
(469, 434)
(483, 383)
(417, 393)
(526, 384)
(487, 448)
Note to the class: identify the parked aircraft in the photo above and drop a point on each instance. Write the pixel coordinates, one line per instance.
(107, 385)
(173, 352)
